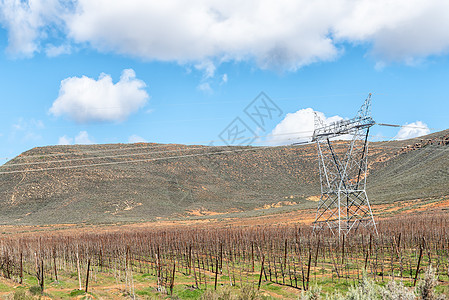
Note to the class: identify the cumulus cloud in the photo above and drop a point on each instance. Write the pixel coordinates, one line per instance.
(276, 34)
(29, 22)
(65, 140)
(286, 34)
(412, 130)
(398, 30)
(81, 138)
(136, 139)
(85, 99)
(297, 127)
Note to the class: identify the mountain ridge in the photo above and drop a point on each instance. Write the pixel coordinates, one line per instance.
(229, 179)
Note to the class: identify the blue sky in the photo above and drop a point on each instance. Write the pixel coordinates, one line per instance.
(178, 73)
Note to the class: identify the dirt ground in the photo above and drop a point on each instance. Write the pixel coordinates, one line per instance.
(304, 217)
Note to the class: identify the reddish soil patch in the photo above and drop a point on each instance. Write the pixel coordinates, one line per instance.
(293, 217)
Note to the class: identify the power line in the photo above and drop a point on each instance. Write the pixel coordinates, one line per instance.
(80, 152)
(156, 152)
(200, 142)
(125, 155)
(152, 152)
(170, 158)
(405, 126)
(119, 155)
(162, 145)
(138, 160)
(176, 157)
(101, 157)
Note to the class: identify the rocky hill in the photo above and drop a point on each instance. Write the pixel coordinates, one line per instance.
(143, 182)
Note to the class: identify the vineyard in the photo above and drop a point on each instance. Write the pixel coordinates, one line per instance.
(280, 261)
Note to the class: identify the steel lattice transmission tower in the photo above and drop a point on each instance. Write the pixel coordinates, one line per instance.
(344, 205)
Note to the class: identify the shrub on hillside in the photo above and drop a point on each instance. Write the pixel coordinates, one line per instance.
(396, 291)
(247, 292)
(312, 294)
(368, 290)
(426, 287)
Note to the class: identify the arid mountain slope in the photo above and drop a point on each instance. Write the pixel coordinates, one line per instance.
(142, 182)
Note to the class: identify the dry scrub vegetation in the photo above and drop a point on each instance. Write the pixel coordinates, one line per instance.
(233, 262)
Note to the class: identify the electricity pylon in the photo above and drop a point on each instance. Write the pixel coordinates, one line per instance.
(344, 204)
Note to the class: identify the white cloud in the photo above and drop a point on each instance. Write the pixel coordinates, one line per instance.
(53, 51)
(28, 130)
(86, 99)
(28, 23)
(401, 30)
(412, 130)
(136, 139)
(25, 125)
(277, 34)
(65, 140)
(224, 78)
(205, 87)
(297, 127)
(207, 67)
(83, 138)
